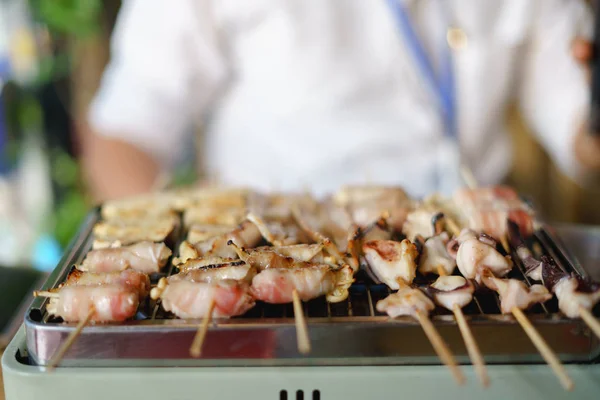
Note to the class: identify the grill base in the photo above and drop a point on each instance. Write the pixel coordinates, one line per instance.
(26, 382)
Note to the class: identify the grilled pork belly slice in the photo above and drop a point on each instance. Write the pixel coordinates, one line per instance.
(294, 256)
(146, 257)
(514, 293)
(213, 216)
(475, 256)
(245, 235)
(112, 302)
(448, 291)
(435, 256)
(486, 210)
(199, 232)
(391, 261)
(129, 231)
(129, 277)
(190, 299)
(237, 270)
(366, 203)
(406, 301)
(276, 285)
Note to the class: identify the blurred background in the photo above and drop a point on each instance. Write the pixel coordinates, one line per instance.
(52, 55)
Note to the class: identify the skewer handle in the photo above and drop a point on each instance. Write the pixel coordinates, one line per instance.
(472, 348)
(301, 329)
(196, 347)
(590, 320)
(58, 356)
(440, 347)
(545, 350)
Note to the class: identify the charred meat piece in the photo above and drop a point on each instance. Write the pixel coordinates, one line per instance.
(146, 257)
(390, 262)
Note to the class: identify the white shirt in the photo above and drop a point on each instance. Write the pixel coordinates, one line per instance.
(299, 94)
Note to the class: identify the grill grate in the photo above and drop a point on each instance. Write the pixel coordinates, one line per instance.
(364, 295)
(267, 330)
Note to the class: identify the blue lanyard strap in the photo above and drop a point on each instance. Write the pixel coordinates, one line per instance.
(442, 84)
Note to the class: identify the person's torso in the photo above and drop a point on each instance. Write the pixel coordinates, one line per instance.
(326, 92)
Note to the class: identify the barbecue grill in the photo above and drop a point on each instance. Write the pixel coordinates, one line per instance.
(356, 351)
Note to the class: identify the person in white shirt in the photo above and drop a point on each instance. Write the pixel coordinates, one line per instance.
(296, 94)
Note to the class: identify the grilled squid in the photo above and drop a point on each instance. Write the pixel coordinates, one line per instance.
(450, 291)
(572, 291)
(476, 255)
(390, 262)
(406, 301)
(434, 256)
(514, 293)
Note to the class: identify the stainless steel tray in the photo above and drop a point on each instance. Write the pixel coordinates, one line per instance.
(347, 333)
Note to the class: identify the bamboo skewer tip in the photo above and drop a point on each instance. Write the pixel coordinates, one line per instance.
(472, 347)
(440, 346)
(59, 355)
(591, 321)
(543, 348)
(303, 339)
(196, 347)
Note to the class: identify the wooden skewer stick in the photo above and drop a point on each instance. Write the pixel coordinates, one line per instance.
(196, 347)
(58, 356)
(543, 348)
(46, 293)
(440, 347)
(470, 343)
(504, 242)
(472, 348)
(590, 320)
(468, 176)
(301, 329)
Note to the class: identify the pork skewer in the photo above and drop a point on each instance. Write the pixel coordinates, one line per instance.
(396, 261)
(223, 287)
(515, 296)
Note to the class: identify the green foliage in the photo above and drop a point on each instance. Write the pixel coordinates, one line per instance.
(73, 17)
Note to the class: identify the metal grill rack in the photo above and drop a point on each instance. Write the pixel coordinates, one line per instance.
(351, 332)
